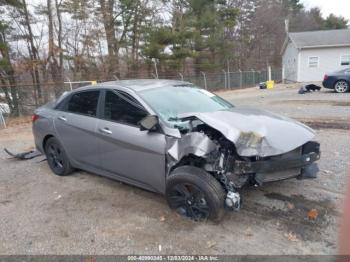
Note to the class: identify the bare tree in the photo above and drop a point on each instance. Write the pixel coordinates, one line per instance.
(54, 66)
(33, 51)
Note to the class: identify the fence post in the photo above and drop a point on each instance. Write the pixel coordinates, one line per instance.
(182, 76)
(269, 73)
(228, 75)
(253, 77)
(155, 67)
(225, 77)
(283, 75)
(205, 80)
(70, 83)
(240, 78)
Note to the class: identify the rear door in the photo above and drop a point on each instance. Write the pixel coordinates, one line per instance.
(137, 156)
(76, 124)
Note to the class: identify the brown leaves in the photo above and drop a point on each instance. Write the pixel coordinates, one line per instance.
(290, 205)
(291, 237)
(312, 214)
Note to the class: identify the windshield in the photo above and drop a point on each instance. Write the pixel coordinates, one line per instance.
(170, 102)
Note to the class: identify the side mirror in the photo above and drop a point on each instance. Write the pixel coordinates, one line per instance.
(149, 123)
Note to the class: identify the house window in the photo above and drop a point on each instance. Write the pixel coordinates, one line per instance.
(313, 61)
(345, 60)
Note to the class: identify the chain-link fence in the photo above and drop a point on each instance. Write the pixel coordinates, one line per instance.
(24, 97)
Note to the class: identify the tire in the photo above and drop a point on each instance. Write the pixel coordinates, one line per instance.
(57, 158)
(195, 194)
(341, 86)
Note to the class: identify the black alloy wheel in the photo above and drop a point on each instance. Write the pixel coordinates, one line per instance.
(189, 201)
(57, 158)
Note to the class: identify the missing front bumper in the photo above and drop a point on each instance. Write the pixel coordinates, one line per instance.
(299, 163)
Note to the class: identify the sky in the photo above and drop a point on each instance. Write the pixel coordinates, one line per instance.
(337, 7)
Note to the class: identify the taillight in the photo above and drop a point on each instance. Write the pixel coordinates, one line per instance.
(325, 77)
(35, 117)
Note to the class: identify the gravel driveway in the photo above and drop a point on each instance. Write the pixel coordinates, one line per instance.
(86, 214)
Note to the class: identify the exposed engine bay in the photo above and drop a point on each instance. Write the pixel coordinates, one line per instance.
(203, 146)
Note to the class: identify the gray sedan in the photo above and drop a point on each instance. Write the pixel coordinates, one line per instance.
(173, 138)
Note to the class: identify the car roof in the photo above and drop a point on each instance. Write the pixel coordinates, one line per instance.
(139, 84)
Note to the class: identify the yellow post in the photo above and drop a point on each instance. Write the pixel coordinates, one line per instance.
(270, 84)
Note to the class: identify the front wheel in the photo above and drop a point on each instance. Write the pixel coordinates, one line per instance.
(57, 158)
(195, 194)
(341, 86)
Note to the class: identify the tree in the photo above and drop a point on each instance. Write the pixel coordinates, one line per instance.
(7, 72)
(200, 29)
(55, 55)
(335, 22)
(32, 48)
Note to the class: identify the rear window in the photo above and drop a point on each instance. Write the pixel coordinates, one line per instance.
(84, 103)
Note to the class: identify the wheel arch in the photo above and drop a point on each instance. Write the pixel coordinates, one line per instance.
(341, 79)
(188, 161)
(46, 138)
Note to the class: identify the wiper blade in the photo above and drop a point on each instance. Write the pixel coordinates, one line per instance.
(174, 119)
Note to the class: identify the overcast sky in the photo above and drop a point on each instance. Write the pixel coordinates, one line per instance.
(338, 7)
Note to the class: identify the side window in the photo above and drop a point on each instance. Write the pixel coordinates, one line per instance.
(345, 60)
(313, 61)
(63, 104)
(84, 103)
(123, 108)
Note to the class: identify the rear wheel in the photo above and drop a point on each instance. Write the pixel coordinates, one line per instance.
(57, 158)
(341, 86)
(195, 194)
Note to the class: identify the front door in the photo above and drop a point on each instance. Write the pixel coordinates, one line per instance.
(137, 156)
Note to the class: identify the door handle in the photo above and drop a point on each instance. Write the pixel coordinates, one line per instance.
(62, 118)
(106, 131)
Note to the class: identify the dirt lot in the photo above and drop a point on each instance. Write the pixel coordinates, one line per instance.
(85, 214)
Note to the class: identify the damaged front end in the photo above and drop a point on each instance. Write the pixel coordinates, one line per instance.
(244, 154)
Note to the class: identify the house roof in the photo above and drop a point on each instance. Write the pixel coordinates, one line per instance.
(319, 39)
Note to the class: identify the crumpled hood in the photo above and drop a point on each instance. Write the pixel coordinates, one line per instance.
(256, 132)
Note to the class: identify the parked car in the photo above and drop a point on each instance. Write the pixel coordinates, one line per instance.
(339, 81)
(175, 139)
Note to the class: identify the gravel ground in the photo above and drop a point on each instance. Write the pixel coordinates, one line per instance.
(86, 214)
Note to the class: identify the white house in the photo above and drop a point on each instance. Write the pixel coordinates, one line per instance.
(308, 56)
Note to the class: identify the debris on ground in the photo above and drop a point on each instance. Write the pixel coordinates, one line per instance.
(248, 232)
(211, 244)
(162, 219)
(312, 214)
(25, 155)
(58, 197)
(291, 237)
(308, 89)
(290, 205)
